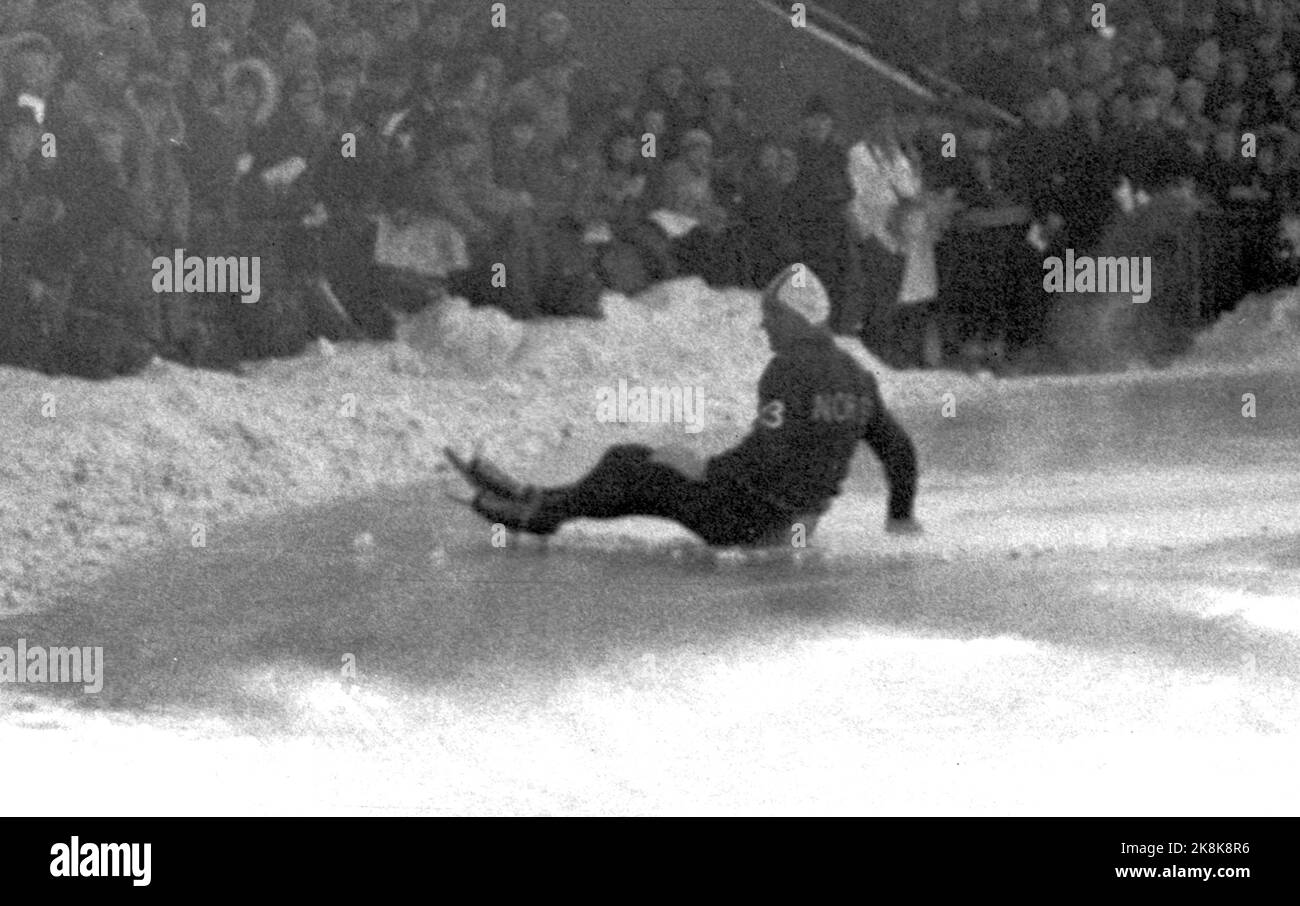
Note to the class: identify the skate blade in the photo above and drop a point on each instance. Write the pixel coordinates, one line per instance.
(463, 466)
(463, 501)
(457, 463)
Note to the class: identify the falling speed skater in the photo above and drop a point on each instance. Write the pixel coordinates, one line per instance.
(816, 403)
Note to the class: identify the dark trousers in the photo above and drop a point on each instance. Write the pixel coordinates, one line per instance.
(882, 273)
(834, 256)
(627, 483)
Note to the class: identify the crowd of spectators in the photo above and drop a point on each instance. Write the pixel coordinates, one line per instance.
(310, 133)
(1197, 96)
(303, 132)
(1169, 88)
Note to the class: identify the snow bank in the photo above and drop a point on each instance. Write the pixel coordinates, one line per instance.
(675, 331)
(1262, 330)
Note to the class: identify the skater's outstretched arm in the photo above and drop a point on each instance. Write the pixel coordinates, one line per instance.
(890, 443)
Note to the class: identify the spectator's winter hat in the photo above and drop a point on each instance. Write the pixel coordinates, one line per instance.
(519, 113)
(798, 290)
(819, 104)
(300, 36)
(13, 47)
(1192, 94)
(14, 114)
(268, 83)
(718, 78)
(25, 41)
(696, 137)
(307, 79)
(1208, 54)
(348, 48)
(554, 26)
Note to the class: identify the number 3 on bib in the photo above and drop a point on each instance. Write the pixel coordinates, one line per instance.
(772, 415)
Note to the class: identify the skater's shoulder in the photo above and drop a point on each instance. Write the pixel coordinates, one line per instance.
(814, 344)
(819, 360)
(852, 363)
(802, 354)
(813, 350)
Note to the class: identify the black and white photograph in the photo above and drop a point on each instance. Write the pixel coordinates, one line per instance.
(651, 408)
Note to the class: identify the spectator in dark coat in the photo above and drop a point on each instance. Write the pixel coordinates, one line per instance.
(714, 247)
(64, 207)
(515, 155)
(545, 43)
(287, 154)
(725, 121)
(670, 91)
(217, 152)
(637, 251)
(987, 269)
(1065, 177)
(546, 93)
(1150, 155)
(498, 224)
(621, 197)
(688, 182)
(161, 208)
(352, 191)
(821, 224)
(767, 209)
(34, 245)
(1068, 182)
(234, 207)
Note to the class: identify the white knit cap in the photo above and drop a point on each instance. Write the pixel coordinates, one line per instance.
(800, 291)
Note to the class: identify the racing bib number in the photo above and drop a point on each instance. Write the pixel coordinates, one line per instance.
(772, 415)
(838, 408)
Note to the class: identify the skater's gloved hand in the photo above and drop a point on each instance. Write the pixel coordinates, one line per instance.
(908, 526)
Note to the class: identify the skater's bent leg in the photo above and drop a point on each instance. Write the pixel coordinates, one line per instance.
(628, 481)
(669, 483)
(635, 480)
(683, 459)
